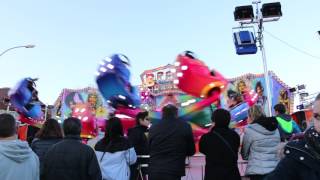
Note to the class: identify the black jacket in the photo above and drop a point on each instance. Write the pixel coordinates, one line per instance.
(298, 164)
(41, 146)
(137, 137)
(170, 142)
(221, 159)
(70, 160)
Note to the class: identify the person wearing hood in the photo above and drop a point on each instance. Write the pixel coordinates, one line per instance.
(302, 158)
(17, 160)
(221, 146)
(286, 125)
(260, 144)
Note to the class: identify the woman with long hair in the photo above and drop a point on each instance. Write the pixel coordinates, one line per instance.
(114, 152)
(47, 136)
(260, 144)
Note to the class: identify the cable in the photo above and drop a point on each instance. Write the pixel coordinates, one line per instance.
(293, 47)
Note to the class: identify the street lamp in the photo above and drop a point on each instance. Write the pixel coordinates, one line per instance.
(25, 46)
(268, 13)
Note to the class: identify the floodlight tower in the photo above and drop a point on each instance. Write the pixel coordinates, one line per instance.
(268, 13)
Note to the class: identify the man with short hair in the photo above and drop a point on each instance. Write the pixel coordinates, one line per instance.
(302, 158)
(286, 125)
(70, 159)
(17, 160)
(170, 142)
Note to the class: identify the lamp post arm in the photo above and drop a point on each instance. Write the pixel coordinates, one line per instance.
(26, 46)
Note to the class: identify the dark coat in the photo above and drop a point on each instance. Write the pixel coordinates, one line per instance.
(138, 138)
(298, 164)
(170, 142)
(221, 160)
(41, 146)
(69, 160)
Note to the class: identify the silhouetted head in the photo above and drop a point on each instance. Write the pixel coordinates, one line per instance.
(221, 118)
(169, 112)
(114, 129)
(50, 129)
(72, 126)
(7, 125)
(279, 109)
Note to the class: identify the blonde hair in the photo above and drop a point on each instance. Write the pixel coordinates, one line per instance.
(255, 112)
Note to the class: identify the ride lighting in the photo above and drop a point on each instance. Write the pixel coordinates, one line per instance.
(121, 97)
(97, 73)
(83, 110)
(177, 64)
(76, 110)
(242, 13)
(108, 59)
(184, 68)
(102, 63)
(211, 84)
(110, 66)
(103, 69)
(179, 74)
(221, 87)
(192, 101)
(176, 81)
(184, 104)
(85, 118)
(270, 10)
(173, 70)
(79, 117)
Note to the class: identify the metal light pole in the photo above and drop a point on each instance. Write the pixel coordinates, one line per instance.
(25, 46)
(266, 75)
(264, 59)
(268, 13)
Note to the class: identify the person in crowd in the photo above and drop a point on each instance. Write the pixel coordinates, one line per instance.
(31, 133)
(138, 138)
(302, 158)
(114, 152)
(170, 142)
(286, 125)
(49, 134)
(221, 146)
(260, 144)
(69, 159)
(17, 160)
